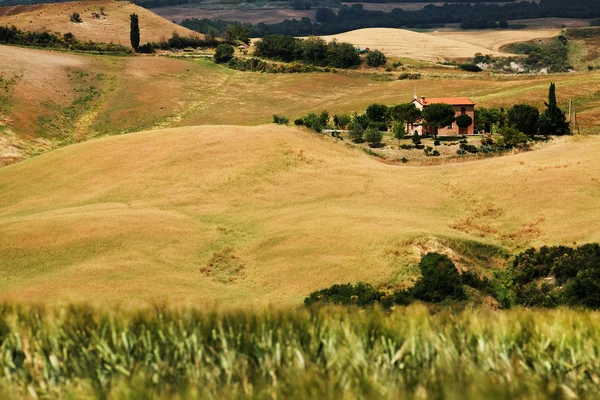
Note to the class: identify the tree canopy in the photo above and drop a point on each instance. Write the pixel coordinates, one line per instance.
(438, 115)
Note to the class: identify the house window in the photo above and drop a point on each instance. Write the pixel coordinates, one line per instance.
(463, 110)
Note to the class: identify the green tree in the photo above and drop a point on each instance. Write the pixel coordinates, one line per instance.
(134, 31)
(377, 113)
(553, 120)
(399, 130)
(438, 115)
(373, 136)
(464, 121)
(406, 113)
(342, 55)
(341, 121)
(440, 280)
(356, 132)
(376, 59)
(487, 118)
(314, 51)
(223, 53)
(237, 32)
(211, 34)
(512, 137)
(524, 118)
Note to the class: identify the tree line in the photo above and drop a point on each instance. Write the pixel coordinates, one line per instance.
(482, 15)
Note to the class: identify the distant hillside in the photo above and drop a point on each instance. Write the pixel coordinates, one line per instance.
(111, 24)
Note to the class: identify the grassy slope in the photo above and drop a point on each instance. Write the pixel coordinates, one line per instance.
(437, 46)
(136, 218)
(112, 27)
(138, 93)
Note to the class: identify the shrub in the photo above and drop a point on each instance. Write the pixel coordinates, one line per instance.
(512, 137)
(373, 136)
(435, 153)
(416, 139)
(436, 142)
(428, 150)
(440, 280)
(376, 59)
(280, 120)
(314, 122)
(411, 76)
(75, 17)
(595, 22)
(146, 48)
(223, 53)
(362, 295)
(299, 122)
(342, 121)
(554, 276)
(398, 130)
(356, 132)
(470, 67)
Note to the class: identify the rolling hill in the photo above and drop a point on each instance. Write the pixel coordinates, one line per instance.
(111, 27)
(437, 46)
(250, 216)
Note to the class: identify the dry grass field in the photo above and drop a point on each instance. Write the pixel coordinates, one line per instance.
(251, 216)
(111, 27)
(83, 96)
(438, 46)
(495, 40)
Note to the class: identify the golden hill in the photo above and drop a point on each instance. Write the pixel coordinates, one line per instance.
(111, 27)
(244, 216)
(83, 96)
(438, 46)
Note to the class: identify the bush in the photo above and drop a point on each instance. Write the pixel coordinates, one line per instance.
(314, 122)
(75, 17)
(146, 48)
(356, 132)
(470, 67)
(278, 119)
(555, 276)
(223, 53)
(411, 76)
(376, 59)
(436, 142)
(416, 139)
(362, 295)
(398, 130)
(595, 22)
(373, 136)
(440, 280)
(298, 122)
(512, 137)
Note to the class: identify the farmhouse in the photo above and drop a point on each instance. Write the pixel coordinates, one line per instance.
(461, 105)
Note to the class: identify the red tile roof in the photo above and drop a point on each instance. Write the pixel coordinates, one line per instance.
(453, 101)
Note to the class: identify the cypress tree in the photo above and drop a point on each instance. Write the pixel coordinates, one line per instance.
(553, 121)
(134, 33)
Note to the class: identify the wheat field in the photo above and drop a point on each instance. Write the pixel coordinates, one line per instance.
(437, 46)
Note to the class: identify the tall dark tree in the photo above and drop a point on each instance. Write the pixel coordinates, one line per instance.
(525, 118)
(437, 116)
(553, 120)
(134, 32)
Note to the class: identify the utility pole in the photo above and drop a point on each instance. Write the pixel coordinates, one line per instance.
(570, 123)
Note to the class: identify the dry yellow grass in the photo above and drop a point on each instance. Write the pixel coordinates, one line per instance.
(438, 46)
(138, 218)
(138, 93)
(112, 27)
(494, 40)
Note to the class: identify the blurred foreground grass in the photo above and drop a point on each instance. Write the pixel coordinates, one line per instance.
(81, 352)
